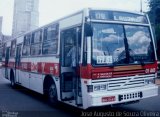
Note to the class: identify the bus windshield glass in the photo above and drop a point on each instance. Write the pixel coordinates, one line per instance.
(114, 44)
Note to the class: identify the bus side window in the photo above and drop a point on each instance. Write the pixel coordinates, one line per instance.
(26, 45)
(50, 40)
(4, 50)
(36, 43)
(13, 48)
(69, 42)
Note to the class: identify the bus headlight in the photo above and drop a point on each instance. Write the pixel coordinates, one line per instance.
(97, 88)
(100, 87)
(150, 81)
(103, 87)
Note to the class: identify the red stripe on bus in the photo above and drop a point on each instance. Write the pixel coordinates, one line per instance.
(40, 67)
(88, 71)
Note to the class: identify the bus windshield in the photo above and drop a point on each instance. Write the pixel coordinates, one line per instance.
(114, 44)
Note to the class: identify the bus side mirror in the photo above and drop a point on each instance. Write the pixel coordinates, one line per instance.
(88, 30)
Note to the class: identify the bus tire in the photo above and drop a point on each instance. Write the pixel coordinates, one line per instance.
(12, 79)
(52, 95)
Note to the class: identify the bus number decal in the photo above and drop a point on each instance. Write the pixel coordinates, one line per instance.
(104, 59)
(34, 67)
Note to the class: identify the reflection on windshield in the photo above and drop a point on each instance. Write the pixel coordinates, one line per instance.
(110, 44)
(140, 43)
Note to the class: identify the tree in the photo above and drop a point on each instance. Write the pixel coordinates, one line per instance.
(154, 15)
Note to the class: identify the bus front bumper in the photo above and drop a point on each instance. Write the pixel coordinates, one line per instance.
(121, 96)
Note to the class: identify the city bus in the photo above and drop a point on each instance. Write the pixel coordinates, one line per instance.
(113, 61)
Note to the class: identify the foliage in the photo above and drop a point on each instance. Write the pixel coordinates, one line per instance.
(154, 15)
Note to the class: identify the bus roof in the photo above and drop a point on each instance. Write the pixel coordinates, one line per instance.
(80, 11)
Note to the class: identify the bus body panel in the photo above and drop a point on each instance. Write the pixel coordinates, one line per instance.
(33, 70)
(71, 21)
(24, 74)
(115, 90)
(112, 97)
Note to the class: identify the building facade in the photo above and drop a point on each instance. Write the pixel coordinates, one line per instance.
(1, 19)
(26, 16)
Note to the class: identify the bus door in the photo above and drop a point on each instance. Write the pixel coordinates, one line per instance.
(18, 63)
(69, 62)
(6, 62)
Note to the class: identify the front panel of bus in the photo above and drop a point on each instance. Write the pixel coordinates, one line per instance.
(121, 59)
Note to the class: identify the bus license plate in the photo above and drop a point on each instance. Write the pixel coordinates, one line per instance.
(108, 99)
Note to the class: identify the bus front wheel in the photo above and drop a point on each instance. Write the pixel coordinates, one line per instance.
(52, 95)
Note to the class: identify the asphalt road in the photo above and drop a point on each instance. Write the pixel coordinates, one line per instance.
(22, 102)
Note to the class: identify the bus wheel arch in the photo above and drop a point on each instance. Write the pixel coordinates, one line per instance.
(50, 90)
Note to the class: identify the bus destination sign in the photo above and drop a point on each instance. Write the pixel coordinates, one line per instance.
(117, 16)
(127, 19)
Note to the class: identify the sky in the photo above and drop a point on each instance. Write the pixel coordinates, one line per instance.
(50, 10)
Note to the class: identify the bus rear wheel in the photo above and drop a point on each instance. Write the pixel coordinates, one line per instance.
(52, 95)
(13, 85)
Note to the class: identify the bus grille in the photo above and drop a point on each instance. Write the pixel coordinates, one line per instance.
(125, 82)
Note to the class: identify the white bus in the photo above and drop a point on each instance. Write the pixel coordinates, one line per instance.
(114, 59)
